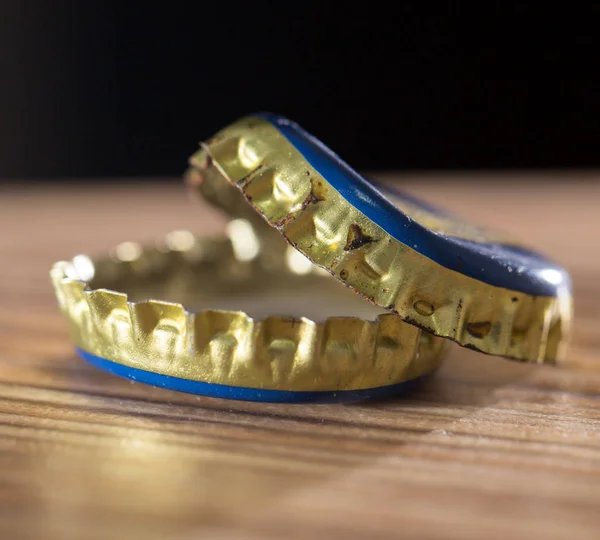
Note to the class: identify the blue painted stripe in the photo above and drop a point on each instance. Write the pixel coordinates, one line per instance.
(504, 266)
(241, 393)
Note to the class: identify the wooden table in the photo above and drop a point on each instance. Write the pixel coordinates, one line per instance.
(487, 449)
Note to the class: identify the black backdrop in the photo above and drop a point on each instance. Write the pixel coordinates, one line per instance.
(99, 88)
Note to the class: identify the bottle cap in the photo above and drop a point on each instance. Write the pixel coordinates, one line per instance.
(126, 315)
(443, 275)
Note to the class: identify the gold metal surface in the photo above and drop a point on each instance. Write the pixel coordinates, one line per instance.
(313, 217)
(230, 347)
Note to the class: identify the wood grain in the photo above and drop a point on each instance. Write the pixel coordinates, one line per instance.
(487, 449)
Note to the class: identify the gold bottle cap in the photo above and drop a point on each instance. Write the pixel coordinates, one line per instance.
(434, 271)
(117, 325)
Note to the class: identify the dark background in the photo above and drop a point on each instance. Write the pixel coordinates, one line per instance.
(100, 88)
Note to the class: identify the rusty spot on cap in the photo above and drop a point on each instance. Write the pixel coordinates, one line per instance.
(356, 238)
